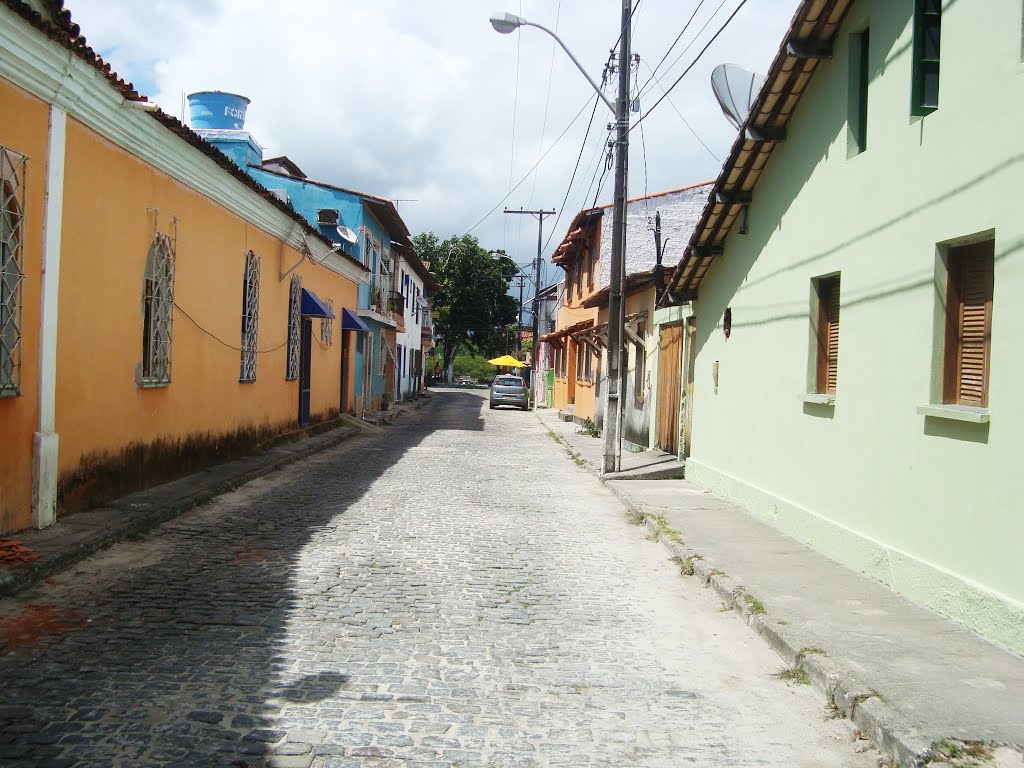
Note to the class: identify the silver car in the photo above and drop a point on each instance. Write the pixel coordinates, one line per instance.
(510, 390)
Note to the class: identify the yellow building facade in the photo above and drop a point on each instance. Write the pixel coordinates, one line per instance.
(576, 360)
(155, 299)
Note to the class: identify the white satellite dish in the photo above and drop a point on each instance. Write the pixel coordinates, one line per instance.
(348, 235)
(735, 88)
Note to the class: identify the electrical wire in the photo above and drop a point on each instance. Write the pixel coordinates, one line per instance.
(529, 172)
(643, 140)
(547, 103)
(685, 122)
(604, 173)
(572, 179)
(692, 64)
(515, 115)
(674, 43)
(689, 45)
(221, 341)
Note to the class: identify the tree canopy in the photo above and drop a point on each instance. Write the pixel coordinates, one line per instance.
(471, 303)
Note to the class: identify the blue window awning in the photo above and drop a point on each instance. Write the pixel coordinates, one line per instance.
(350, 321)
(312, 306)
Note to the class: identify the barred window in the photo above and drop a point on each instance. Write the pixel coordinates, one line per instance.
(158, 303)
(327, 325)
(12, 269)
(250, 316)
(294, 306)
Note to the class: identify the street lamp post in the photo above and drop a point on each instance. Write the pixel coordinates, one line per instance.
(506, 23)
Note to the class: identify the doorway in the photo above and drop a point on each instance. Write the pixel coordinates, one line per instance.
(305, 365)
(670, 364)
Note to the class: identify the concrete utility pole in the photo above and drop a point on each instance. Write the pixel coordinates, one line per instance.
(520, 280)
(616, 318)
(539, 215)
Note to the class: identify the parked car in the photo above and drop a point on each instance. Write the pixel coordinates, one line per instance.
(510, 390)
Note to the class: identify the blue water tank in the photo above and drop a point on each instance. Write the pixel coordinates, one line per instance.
(217, 110)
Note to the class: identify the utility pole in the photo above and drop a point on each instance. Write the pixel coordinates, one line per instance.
(616, 318)
(520, 279)
(539, 215)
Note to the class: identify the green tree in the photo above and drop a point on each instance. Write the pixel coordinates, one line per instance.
(471, 303)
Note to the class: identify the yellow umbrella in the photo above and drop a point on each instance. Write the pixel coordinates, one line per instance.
(507, 360)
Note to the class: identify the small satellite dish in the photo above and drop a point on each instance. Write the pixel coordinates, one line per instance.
(735, 88)
(348, 235)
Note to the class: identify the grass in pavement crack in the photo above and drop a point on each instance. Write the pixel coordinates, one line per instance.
(793, 675)
(685, 564)
(756, 606)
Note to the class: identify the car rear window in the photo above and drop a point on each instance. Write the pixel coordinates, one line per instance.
(509, 381)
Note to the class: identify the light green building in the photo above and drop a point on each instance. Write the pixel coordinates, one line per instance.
(864, 248)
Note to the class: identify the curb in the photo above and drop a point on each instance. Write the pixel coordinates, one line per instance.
(878, 720)
(882, 723)
(79, 535)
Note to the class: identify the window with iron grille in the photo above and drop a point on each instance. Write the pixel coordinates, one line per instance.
(250, 316)
(294, 307)
(158, 312)
(12, 269)
(327, 325)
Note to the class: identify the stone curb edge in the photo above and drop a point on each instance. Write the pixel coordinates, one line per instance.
(862, 705)
(883, 724)
(15, 580)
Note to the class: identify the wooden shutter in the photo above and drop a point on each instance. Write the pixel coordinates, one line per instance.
(828, 335)
(969, 332)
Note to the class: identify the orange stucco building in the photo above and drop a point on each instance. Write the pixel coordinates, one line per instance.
(159, 309)
(576, 353)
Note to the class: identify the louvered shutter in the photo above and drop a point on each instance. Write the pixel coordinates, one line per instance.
(832, 360)
(828, 335)
(975, 329)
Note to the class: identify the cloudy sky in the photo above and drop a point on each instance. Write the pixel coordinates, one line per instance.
(422, 102)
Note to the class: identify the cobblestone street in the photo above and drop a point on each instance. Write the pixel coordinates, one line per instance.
(449, 591)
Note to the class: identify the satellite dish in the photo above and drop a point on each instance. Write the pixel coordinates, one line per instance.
(348, 235)
(735, 88)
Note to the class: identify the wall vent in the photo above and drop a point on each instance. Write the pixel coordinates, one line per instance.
(327, 217)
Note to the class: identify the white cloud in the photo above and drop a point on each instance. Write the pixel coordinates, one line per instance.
(415, 99)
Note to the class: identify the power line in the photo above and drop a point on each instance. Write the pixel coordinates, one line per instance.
(643, 141)
(539, 161)
(685, 122)
(583, 146)
(515, 115)
(675, 42)
(547, 100)
(689, 45)
(221, 341)
(600, 183)
(692, 64)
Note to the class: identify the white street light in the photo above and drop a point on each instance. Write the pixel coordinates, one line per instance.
(506, 23)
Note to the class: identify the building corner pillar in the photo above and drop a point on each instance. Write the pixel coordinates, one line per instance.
(45, 441)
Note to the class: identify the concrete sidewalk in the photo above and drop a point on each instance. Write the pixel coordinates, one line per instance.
(76, 536)
(908, 677)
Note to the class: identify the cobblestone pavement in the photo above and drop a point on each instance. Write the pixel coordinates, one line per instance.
(452, 591)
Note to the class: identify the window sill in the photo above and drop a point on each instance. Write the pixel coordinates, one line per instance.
(955, 412)
(818, 398)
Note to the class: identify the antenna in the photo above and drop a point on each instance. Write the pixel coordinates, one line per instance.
(735, 88)
(348, 235)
